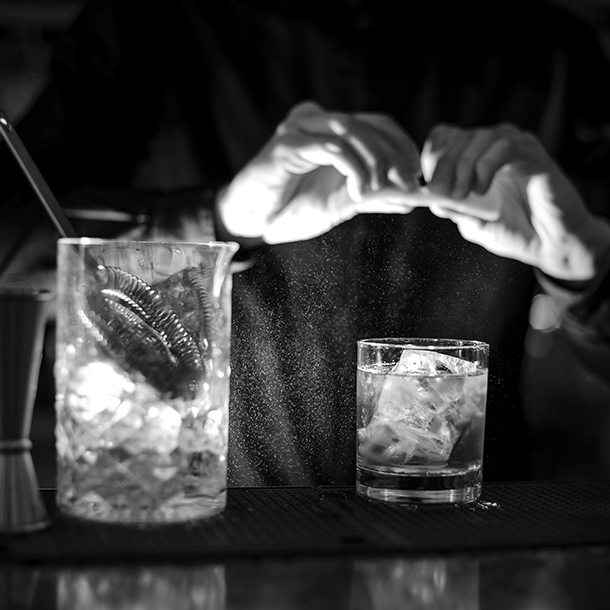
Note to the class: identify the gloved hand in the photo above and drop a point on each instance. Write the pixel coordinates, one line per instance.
(319, 170)
(539, 218)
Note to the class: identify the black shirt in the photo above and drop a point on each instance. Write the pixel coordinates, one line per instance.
(138, 84)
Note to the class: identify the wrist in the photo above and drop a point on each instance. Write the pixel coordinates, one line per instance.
(588, 258)
(596, 239)
(223, 233)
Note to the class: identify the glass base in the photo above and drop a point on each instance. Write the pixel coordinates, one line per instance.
(95, 508)
(448, 487)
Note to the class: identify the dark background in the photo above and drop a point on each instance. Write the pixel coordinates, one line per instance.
(568, 410)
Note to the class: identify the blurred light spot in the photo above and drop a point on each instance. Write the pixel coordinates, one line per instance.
(544, 313)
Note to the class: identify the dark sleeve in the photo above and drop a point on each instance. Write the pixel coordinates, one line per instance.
(586, 324)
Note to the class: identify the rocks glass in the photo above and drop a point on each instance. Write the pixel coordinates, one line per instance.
(421, 419)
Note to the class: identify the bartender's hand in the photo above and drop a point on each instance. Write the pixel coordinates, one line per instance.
(541, 218)
(319, 170)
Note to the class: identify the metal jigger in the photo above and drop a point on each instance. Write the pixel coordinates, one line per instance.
(23, 315)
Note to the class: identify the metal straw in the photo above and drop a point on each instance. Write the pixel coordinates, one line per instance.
(38, 183)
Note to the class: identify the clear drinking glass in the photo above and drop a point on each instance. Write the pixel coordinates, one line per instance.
(421, 419)
(142, 379)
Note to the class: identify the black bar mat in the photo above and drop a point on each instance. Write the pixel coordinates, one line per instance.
(304, 521)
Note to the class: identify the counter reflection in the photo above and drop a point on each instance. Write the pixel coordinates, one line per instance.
(149, 588)
(416, 584)
(19, 587)
(560, 579)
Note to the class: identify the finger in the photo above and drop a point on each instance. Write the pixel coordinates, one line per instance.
(386, 201)
(466, 175)
(300, 154)
(394, 196)
(444, 178)
(472, 159)
(501, 152)
(370, 149)
(450, 214)
(470, 227)
(404, 164)
(300, 112)
(380, 206)
(358, 135)
(392, 201)
(440, 138)
(304, 109)
(441, 211)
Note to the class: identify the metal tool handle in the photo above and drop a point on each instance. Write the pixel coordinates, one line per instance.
(41, 188)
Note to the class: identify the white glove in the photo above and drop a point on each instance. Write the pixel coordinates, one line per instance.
(534, 213)
(317, 171)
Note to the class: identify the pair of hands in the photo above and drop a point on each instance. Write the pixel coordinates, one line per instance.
(497, 184)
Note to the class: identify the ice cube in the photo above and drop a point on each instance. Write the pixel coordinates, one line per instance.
(95, 388)
(404, 397)
(415, 363)
(434, 447)
(203, 433)
(158, 432)
(126, 421)
(424, 362)
(381, 442)
(393, 443)
(423, 384)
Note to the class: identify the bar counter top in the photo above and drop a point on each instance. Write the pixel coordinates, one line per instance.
(534, 545)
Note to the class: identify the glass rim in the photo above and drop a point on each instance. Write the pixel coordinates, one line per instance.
(99, 241)
(425, 343)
